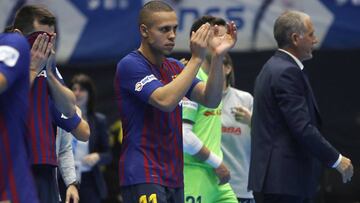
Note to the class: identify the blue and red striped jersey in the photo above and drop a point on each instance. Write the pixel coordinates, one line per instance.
(43, 115)
(152, 144)
(16, 181)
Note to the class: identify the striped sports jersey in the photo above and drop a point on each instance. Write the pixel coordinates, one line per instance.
(43, 115)
(152, 144)
(16, 182)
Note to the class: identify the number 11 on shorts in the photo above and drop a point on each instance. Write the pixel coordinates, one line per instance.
(152, 199)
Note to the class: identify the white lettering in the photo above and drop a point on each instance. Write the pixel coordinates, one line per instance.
(144, 81)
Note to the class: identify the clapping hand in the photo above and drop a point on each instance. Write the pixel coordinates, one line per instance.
(221, 41)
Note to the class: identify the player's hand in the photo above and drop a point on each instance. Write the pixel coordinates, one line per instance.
(72, 194)
(346, 169)
(40, 52)
(222, 173)
(242, 114)
(91, 159)
(220, 42)
(199, 41)
(51, 59)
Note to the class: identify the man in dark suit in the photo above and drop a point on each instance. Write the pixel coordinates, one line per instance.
(287, 146)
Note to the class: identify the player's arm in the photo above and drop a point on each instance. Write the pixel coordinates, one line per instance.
(209, 94)
(82, 130)
(167, 97)
(194, 146)
(65, 156)
(14, 49)
(63, 97)
(67, 164)
(75, 124)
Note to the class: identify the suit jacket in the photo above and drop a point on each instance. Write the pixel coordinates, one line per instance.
(287, 146)
(99, 142)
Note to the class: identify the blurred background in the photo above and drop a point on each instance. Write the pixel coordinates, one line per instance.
(93, 35)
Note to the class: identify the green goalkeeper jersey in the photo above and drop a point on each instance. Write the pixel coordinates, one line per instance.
(207, 125)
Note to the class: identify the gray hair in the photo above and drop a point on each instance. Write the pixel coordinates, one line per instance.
(288, 23)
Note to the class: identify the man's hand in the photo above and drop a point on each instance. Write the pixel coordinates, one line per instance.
(221, 42)
(51, 59)
(222, 173)
(72, 194)
(40, 52)
(199, 41)
(91, 159)
(242, 114)
(346, 169)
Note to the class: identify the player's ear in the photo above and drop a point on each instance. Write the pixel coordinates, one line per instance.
(144, 31)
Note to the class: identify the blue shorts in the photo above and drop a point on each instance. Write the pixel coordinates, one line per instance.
(151, 193)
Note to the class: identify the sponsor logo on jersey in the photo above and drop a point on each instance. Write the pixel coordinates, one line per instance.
(139, 85)
(231, 130)
(213, 113)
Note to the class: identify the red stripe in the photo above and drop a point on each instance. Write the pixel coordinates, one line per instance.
(143, 143)
(172, 157)
(12, 183)
(179, 150)
(157, 132)
(163, 76)
(32, 136)
(49, 136)
(165, 145)
(43, 144)
(175, 119)
(178, 68)
(169, 65)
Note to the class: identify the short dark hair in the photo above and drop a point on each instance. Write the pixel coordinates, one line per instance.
(230, 79)
(152, 7)
(207, 19)
(85, 82)
(286, 24)
(26, 16)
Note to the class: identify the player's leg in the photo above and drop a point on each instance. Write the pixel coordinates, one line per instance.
(175, 195)
(199, 184)
(225, 194)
